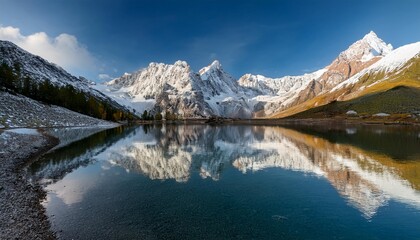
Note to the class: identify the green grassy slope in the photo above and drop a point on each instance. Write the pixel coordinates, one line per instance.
(398, 100)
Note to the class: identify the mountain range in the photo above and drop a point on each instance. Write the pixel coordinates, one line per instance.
(361, 69)
(368, 67)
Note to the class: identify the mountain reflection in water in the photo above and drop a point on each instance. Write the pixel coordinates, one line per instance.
(366, 179)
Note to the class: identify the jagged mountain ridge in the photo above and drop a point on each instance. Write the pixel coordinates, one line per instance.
(176, 88)
(213, 92)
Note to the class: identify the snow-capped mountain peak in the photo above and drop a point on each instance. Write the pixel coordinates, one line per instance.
(216, 79)
(181, 63)
(367, 48)
(215, 66)
(378, 46)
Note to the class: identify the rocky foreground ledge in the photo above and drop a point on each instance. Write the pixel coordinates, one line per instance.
(21, 214)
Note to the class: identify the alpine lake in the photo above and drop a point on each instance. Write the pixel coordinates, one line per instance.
(234, 182)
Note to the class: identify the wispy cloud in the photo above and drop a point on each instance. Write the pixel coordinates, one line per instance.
(64, 50)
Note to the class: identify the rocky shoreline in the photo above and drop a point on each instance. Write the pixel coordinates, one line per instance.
(22, 215)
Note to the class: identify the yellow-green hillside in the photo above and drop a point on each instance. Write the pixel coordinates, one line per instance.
(380, 92)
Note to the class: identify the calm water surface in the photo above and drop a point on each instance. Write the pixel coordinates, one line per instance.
(235, 182)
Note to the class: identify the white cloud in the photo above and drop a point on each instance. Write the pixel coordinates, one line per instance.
(63, 50)
(104, 77)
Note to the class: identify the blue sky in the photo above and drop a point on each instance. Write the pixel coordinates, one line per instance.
(273, 38)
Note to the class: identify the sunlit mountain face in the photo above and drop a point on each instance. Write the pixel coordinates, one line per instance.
(368, 176)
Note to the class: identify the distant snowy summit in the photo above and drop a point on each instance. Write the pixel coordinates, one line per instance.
(211, 91)
(367, 48)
